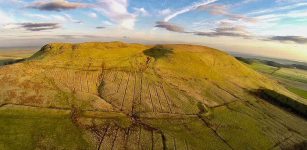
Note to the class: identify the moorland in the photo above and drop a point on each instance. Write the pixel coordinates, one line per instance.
(117, 95)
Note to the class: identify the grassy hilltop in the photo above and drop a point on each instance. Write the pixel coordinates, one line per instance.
(132, 96)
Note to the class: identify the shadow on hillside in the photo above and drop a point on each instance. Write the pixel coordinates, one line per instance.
(283, 101)
(10, 61)
(158, 52)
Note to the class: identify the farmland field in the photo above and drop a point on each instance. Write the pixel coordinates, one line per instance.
(294, 79)
(298, 91)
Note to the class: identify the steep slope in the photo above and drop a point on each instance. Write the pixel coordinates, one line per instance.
(167, 96)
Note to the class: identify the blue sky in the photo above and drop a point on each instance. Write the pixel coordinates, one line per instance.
(274, 28)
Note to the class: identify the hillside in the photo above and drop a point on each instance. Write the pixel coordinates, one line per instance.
(13, 56)
(132, 96)
(293, 78)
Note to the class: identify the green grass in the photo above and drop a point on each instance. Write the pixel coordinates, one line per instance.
(196, 80)
(298, 91)
(263, 67)
(240, 130)
(292, 74)
(284, 101)
(295, 80)
(43, 129)
(286, 73)
(190, 130)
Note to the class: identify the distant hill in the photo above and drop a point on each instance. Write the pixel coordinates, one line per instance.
(277, 60)
(134, 96)
(291, 64)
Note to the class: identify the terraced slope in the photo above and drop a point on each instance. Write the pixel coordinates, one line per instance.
(132, 96)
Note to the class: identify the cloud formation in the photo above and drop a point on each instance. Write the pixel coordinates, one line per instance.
(165, 12)
(5, 18)
(63, 19)
(216, 9)
(188, 9)
(39, 26)
(92, 15)
(295, 39)
(141, 11)
(277, 9)
(224, 29)
(100, 27)
(56, 5)
(117, 11)
(169, 26)
(227, 29)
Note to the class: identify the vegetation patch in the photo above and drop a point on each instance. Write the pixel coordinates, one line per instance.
(236, 124)
(271, 63)
(284, 101)
(201, 108)
(10, 61)
(39, 129)
(298, 91)
(158, 52)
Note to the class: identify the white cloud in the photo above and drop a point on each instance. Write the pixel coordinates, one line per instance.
(69, 18)
(15, 2)
(248, 1)
(273, 18)
(216, 9)
(107, 23)
(288, 1)
(140, 11)
(37, 16)
(5, 18)
(117, 11)
(188, 9)
(65, 18)
(165, 12)
(276, 9)
(92, 15)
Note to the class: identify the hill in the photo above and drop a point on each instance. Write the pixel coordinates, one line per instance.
(131, 96)
(273, 63)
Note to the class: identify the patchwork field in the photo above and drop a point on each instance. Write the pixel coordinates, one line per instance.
(293, 79)
(131, 96)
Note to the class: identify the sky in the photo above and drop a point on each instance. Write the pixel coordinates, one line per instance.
(272, 28)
